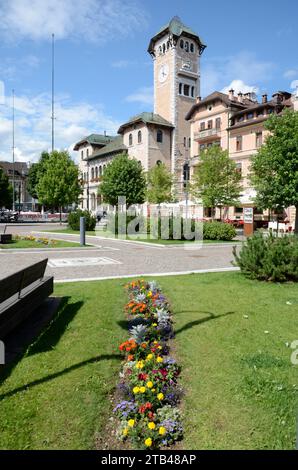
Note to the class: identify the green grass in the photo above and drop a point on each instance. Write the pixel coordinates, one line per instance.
(142, 238)
(240, 386)
(57, 395)
(34, 244)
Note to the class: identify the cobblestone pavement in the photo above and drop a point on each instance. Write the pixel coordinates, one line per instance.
(112, 258)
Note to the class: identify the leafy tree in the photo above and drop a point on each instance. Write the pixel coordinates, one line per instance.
(160, 182)
(124, 176)
(216, 180)
(59, 184)
(6, 192)
(35, 173)
(274, 169)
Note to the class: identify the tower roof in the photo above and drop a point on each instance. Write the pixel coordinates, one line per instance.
(146, 118)
(176, 28)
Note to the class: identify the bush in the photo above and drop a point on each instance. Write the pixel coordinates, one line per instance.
(74, 220)
(218, 231)
(269, 258)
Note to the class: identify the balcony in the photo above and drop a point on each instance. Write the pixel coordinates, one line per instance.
(206, 134)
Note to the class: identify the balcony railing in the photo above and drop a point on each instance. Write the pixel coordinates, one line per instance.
(206, 133)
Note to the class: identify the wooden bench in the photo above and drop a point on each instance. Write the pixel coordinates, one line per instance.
(5, 237)
(21, 293)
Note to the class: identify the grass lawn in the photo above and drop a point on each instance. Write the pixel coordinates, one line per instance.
(34, 244)
(106, 234)
(231, 336)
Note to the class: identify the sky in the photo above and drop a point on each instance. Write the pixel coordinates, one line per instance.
(103, 72)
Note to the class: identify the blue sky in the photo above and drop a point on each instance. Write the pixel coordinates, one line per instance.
(104, 74)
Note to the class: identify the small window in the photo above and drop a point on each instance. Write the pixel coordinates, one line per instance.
(87, 153)
(186, 172)
(180, 88)
(164, 48)
(100, 171)
(192, 47)
(186, 90)
(240, 119)
(239, 143)
(130, 139)
(217, 123)
(160, 49)
(186, 46)
(250, 115)
(184, 141)
(159, 136)
(209, 124)
(202, 126)
(193, 91)
(259, 139)
(239, 168)
(96, 172)
(82, 154)
(92, 173)
(168, 44)
(189, 142)
(181, 43)
(139, 137)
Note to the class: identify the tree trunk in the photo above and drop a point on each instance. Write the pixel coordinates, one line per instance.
(60, 210)
(296, 221)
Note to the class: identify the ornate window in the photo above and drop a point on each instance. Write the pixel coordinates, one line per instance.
(186, 46)
(192, 47)
(139, 137)
(181, 43)
(159, 135)
(130, 139)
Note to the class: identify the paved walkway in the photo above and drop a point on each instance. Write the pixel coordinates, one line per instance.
(113, 258)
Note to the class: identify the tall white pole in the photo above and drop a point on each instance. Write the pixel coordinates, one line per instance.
(13, 147)
(53, 103)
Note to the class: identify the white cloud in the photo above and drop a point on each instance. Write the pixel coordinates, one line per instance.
(239, 85)
(12, 69)
(33, 125)
(2, 92)
(143, 96)
(121, 64)
(294, 84)
(291, 73)
(89, 20)
(218, 72)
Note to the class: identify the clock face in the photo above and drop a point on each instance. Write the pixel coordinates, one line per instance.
(163, 73)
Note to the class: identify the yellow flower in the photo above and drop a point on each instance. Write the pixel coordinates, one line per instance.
(162, 430)
(131, 423)
(150, 294)
(150, 356)
(125, 431)
(159, 359)
(154, 324)
(136, 390)
(140, 365)
(151, 425)
(154, 342)
(152, 389)
(149, 384)
(142, 389)
(160, 396)
(148, 442)
(159, 347)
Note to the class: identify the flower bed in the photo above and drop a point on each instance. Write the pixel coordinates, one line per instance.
(31, 238)
(148, 414)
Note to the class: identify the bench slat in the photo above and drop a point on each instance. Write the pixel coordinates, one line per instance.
(33, 273)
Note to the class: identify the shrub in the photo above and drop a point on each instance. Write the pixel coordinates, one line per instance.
(218, 231)
(269, 258)
(74, 220)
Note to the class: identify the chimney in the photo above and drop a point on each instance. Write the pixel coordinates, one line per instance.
(264, 98)
(231, 94)
(240, 97)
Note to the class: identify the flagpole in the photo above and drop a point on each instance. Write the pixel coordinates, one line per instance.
(13, 155)
(53, 103)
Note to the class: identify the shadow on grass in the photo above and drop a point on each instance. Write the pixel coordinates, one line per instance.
(211, 316)
(52, 335)
(29, 385)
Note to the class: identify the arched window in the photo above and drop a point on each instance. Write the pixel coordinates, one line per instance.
(181, 43)
(180, 88)
(87, 153)
(130, 139)
(92, 173)
(82, 154)
(184, 141)
(93, 199)
(96, 172)
(159, 135)
(186, 172)
(192, 48)
(100, 171)
(139, 137)
(187, 46)
(103, 169)
(160, 49)
(163, 48)
(189, 142)
(193, 91)
(186, 90)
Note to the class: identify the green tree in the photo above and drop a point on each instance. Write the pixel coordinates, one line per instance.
(274, 169)
(216, 180)
(124, 176)
(5, 190)
(160, 181)
(35, 173)
(59, 184)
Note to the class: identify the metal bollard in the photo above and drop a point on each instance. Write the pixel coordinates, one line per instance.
(82, 231)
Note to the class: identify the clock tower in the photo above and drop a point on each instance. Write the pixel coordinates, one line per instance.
(176, 52)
